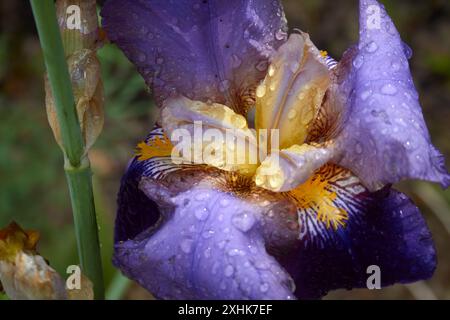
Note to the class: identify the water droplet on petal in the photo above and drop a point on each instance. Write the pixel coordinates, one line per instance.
(229, 270)
(271, 71)
(292, 114)
(389, 89)
(186, 245)
(366, 94)
(395, 66)
(358, 61)
(201, 213)
(407, 51)
(264, 287)
(224, 202)
(201, 196)
(243, 221)
(372, 47)
(261, 91)
(207, 234)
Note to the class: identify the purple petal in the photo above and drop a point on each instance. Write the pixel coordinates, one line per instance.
(385, 138)
(209, 245)
(206, 50)
(391, 235)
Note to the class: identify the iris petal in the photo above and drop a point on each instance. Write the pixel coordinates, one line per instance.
(208, 245)
(384, 229)
(292, 92)
(288, 168)
(210, 133)
(206, 50)
(384, 138)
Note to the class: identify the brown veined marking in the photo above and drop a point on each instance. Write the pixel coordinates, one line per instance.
(317, 194)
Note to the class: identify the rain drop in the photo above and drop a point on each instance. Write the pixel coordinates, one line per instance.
(271, 71)
(358, 62)
(407, 51)
(207, 234)
(371, 47)
(261, 91)
(389, 89)
(264, 287)
(395, 66)
(243, 221)
(186, 245)
(292, 114)
(229, 270)
(201, 214)
(224, 202)
(366, 94)
(201, 196)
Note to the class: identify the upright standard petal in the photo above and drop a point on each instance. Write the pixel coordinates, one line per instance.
(206, 50)
(384, 138)
(292, 92)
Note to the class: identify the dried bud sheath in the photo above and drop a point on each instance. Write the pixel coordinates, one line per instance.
(78, 23)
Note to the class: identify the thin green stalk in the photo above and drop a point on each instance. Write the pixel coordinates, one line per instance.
(76, 166)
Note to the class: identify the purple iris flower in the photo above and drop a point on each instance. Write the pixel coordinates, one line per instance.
(314, 221)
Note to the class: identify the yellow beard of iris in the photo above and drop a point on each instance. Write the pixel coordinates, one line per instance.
(316, 194)
(159, 147)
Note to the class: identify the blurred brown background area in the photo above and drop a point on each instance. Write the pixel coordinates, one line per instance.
(32, 184)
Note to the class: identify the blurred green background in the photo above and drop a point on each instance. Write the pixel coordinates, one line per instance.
(33, 191)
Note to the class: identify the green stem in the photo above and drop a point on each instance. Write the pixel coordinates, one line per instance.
(80, 186)
(77, 168)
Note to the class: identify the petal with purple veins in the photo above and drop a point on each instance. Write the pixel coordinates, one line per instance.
(206, 50)
(208, 244)
(383, 229)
